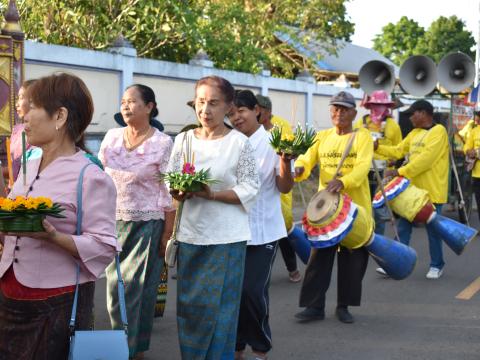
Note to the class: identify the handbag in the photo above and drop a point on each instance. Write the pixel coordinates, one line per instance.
(97, 344)
(171, 250)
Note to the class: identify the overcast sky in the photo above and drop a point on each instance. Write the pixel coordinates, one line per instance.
(422, 11)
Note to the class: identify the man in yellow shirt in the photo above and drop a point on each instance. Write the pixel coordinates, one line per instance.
(426, 148)
(352, 264)
(472, 152)
(288, 253)
(385, 129)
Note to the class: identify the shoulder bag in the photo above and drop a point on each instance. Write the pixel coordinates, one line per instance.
(97, 344)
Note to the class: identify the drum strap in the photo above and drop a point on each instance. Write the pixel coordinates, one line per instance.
(345, 154)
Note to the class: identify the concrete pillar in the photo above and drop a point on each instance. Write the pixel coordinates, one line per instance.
(310, 80)
(126, 55)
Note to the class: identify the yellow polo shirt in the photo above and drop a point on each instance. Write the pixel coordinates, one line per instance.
(466, 129)
(473, 142)
(327, 152)
(286, 200)
(428, 162)
(392, 134)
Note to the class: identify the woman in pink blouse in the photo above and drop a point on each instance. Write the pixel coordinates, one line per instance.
(134, 156)
(38, 270)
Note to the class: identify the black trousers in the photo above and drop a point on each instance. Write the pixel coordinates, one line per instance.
(476, 191)
(288, 254)
(351, 267)
(253, 327)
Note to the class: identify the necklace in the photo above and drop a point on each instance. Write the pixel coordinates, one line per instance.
(142, 139)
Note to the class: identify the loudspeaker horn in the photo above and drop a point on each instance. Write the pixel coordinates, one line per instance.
(418, 75)
(456, 71)
(376, 75)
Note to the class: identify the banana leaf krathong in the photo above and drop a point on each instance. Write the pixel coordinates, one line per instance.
(292, 144)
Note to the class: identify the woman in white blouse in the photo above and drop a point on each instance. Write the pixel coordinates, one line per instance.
(266, 225)
(214, 229)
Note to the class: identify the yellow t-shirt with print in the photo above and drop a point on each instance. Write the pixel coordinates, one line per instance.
(392, 134)
(428, 162)
(473, 142)
(286, 200)
(327, 152)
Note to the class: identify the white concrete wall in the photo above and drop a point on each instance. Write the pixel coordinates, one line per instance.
(107, 74)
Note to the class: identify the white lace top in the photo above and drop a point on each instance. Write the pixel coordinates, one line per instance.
(140, 196)
(231, 161)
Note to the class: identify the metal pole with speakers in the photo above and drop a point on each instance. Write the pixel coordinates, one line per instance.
(376, 75)
(418, 75)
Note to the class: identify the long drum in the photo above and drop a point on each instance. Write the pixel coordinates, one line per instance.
(331, 219)
(414, 204)
(406, 200)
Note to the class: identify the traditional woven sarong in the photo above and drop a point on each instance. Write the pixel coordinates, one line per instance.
(39, 329)
(209, 287)
(141, 266)
(162, 291)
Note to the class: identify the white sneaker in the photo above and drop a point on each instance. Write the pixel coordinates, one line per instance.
(434, 273)
(381, 271)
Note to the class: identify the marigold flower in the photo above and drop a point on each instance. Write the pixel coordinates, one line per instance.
(288, 137)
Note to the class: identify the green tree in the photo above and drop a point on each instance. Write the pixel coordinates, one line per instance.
(406, 38)
(446, 35)
(237, 34)
(399, 41)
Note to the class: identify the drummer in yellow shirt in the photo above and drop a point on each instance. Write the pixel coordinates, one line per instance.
(268, 120)
(426, 148)
(352, 264)
(472, 151)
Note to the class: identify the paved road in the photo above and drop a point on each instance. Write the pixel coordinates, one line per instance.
(411, 319)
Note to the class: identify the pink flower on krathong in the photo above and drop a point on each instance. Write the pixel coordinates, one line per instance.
(188, 169)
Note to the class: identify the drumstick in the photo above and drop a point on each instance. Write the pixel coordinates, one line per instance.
(382, 189)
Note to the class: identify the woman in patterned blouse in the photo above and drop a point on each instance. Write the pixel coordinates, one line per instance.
(133, 156)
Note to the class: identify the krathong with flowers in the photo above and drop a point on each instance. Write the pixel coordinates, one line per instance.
(25, 214)
(189, 179)
(292, 144)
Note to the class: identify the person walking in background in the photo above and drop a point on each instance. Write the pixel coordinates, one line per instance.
(22, 107)
(134, 156)
(352, 264)
(266, 222)
(268, 120)
(472, 153)
(39, 270)
(426, 148)
(214, 227)
(382, 127)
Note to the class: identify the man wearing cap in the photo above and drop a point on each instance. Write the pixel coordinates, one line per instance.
(268, 120)
(383, 127)
(352, 264)
(472, 153)
(426, 148)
